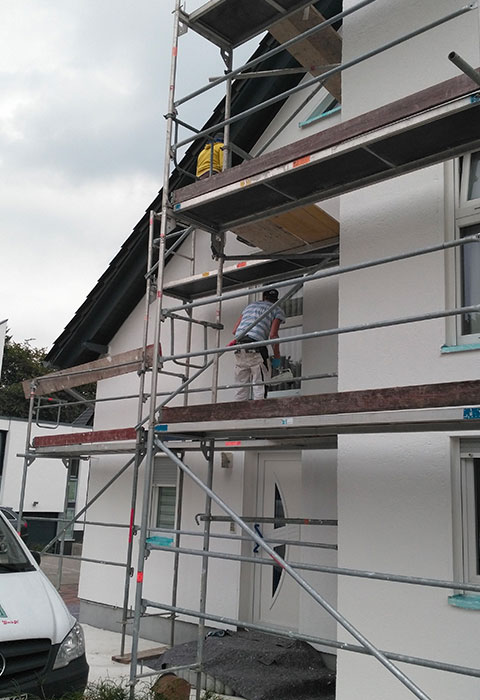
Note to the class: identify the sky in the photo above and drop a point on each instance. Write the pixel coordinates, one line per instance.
(83, 91)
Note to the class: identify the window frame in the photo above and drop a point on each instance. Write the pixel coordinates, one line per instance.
(156, 503)
(466, 512)
(290, 323)
(167, 479)
(463, 214)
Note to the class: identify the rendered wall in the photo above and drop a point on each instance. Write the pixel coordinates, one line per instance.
(394, 491)
(46, 478)
(105, 584)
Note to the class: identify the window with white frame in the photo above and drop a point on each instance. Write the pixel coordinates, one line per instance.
(467, 222)
(164, 494)
(290, 353)
(468, 509)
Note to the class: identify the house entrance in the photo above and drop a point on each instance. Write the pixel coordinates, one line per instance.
(275, 594)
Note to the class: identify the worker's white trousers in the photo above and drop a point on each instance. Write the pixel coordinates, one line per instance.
(249, 368)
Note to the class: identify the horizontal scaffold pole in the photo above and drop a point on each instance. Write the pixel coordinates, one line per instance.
(323, 569)
(331, 272)
(342, 646)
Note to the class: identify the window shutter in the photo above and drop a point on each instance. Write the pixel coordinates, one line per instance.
(470, 446)
(164, 472)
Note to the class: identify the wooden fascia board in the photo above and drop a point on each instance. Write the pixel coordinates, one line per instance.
(110, 366)
(388, 399)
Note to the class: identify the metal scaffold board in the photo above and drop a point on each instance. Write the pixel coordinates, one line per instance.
(190, 443)
(244, 273)
(229, 23)
(421, 129)
(441, 406)
(416, 420)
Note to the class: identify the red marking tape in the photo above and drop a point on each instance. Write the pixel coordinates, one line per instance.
(130, 531)
(241, 264)
(301, 161)
(140, 577)
(233, 442)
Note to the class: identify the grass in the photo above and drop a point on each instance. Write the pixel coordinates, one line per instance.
(120, 690)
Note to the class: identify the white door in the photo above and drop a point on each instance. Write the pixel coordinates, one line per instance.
(275, 594)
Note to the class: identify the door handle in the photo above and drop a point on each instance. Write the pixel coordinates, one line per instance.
(256, 527)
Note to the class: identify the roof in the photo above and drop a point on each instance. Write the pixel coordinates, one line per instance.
(122, 285)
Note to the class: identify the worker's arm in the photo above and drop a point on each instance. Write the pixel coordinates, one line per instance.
(236, 325)
(274, 334)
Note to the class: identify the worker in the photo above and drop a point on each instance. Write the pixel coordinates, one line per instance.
(210, 158)
(251, 366)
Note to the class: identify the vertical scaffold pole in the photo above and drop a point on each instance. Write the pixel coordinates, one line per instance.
(227, 56)
(210, 455)
(139, 439)
(68, 465)
(220, 242)
(176, 564)
(150, 449)
(26, 460)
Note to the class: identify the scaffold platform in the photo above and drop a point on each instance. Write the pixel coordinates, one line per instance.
(420, 129)
(302, 421)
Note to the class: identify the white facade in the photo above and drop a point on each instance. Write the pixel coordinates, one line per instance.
(397, 497)
(46, 478)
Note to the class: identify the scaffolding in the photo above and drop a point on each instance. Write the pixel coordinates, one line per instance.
(173, 432)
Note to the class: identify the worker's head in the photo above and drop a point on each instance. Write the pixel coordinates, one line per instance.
(270, 295)
(218, 137)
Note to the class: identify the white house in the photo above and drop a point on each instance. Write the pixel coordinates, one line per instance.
(46, 482)
(406, 502)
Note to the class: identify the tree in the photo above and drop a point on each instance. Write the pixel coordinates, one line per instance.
(22, 361)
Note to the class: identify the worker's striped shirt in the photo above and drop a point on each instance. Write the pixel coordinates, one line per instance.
(261, 331)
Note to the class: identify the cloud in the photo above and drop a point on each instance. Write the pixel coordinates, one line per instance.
(83, 91)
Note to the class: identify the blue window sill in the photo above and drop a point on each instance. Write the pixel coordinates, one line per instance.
(317, 117)
(459, 348)
(467, 602)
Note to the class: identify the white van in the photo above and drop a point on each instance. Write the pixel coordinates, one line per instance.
(42, 647)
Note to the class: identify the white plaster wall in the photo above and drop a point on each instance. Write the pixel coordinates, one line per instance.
(105, 584)
(319, 487)
(394, 492)
(46, 478)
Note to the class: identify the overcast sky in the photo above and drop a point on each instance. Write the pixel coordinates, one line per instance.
(83, 90)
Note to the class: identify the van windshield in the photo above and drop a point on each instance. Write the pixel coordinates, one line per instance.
(12, 556)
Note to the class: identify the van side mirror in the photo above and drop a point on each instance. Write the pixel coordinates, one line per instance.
(36, 556)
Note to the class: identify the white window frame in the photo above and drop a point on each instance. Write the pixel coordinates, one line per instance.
(460, 214)
(466, 521)
(164, 477)
(291, 322)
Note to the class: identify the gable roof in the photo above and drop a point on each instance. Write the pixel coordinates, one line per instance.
(122, 285)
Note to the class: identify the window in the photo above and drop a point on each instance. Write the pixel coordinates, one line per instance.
(72, 489)
(328, 105)
(164, 494)
(290, 353)
(165, 507)
(467, 510)
(467, 222)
